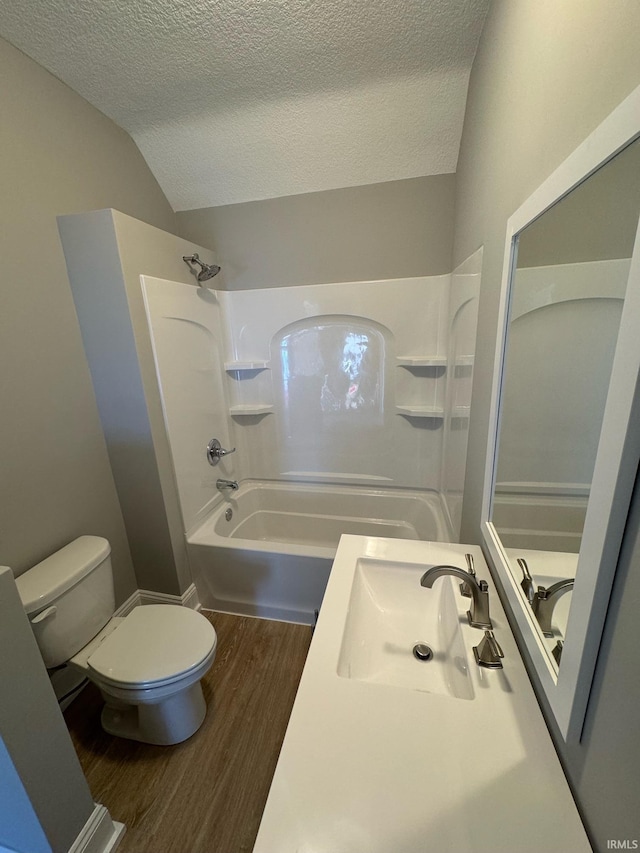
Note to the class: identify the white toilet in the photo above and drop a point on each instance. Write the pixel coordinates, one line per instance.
(148, 665)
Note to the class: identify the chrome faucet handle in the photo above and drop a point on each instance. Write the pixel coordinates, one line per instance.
(215, 451)
(527, 581)
(465, 589)
(488, 652)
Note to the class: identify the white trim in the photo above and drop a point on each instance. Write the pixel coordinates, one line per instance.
(617, 459)
(127, 606)
(189, 598)
(100, 834)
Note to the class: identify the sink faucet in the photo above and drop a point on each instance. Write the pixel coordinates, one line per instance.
(478, 615)
(527, 581)
(226, 484)
(545, 600)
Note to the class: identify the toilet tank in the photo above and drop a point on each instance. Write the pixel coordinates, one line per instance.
(69, 597)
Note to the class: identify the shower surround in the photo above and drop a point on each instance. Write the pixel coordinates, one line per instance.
(347, 405)
(335, 399)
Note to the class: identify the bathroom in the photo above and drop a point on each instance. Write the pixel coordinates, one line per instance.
(542, 79)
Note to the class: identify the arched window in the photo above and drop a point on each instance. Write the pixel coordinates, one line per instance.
(333, 367)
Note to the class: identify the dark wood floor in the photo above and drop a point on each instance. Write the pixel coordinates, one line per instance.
(207, 794)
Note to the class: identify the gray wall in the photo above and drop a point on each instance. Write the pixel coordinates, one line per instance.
(59, 155)
(390, 230)
(36, 740)
(545, 75)
(106, 252)
(597, 221)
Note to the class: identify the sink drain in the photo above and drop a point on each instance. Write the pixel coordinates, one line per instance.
(422, 651)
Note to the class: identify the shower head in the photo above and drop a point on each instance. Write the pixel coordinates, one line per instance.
(206, 271)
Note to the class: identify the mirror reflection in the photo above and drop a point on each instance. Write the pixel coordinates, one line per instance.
(566, 297)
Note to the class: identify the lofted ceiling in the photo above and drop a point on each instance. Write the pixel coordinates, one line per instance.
(238, 100)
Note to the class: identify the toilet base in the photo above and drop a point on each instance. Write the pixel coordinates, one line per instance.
(164, 723)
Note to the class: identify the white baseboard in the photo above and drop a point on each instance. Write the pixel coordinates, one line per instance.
(189, 598)
(127, 606)
(100, 834)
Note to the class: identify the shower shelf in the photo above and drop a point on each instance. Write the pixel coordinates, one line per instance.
(460, 411)
(240, 366)
(410, 361)
(421, 411)
(246, 410)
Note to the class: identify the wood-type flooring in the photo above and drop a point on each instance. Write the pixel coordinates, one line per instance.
(207, 794)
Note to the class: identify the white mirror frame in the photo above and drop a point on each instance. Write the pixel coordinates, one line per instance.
(567, 688)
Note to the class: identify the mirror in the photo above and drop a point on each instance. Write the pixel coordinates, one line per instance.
(566, 297)
(559, 468)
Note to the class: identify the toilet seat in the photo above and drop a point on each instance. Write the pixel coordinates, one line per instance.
(154, 646)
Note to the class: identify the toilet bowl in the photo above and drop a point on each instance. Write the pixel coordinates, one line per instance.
(147, 665)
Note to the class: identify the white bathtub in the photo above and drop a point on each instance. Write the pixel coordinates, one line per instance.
(272, 558)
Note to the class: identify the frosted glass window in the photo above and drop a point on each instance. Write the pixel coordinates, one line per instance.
(334, 368)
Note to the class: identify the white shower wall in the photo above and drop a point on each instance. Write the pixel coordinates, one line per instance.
(563, 330)
(341, 383)
(187, 337)
(461, 329)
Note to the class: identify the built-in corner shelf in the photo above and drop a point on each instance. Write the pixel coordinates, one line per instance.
(461, 411)
(410, 361)
(249, 409)
(244, 366)
(248, 384)
(421, 411)
(465, 361)
(423, 377)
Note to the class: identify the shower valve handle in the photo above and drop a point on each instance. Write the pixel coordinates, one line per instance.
(215, 451)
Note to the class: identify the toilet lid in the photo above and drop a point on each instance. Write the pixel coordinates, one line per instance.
(154, 643)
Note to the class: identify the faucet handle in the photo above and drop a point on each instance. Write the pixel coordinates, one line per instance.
(557, 651)
(465, 589)
(215, 451)
(488, 652)
(527, 581)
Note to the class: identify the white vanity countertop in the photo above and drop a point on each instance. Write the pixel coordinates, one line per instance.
(371, 768)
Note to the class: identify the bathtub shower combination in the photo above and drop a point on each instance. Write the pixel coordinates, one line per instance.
(267, 550)
(347, 406)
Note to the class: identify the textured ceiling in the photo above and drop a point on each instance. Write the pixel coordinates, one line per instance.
(236, 100)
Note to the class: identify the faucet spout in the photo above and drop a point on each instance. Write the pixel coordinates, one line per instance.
(478, 615)
(545, 600)
(226, 484)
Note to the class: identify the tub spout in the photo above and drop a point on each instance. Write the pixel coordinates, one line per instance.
(478, 615)
(226, 484)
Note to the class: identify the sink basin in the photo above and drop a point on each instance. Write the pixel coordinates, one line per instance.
(389, 613)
